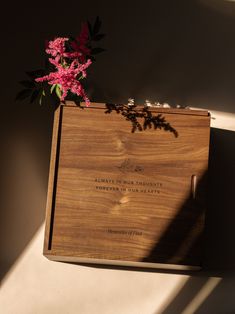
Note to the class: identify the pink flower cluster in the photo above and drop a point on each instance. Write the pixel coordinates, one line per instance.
(66, 78)
(56, 48)
(80, 44)
(70, 65)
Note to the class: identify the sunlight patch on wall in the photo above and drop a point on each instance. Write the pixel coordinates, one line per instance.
(223, 6)
(220, 119)
(202, 295)
(223, 120)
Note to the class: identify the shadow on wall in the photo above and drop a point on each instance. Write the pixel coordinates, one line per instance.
(202, 294)
(182, 53)
(220, 236)
(25, 168)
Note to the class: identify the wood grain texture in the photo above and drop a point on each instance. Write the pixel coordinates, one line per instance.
(122, 196)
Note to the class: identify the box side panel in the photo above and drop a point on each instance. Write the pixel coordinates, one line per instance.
(52, 180)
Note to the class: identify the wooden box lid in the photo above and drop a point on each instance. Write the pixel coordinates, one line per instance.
(117, 197)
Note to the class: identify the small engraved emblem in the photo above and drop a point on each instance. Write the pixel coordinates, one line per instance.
(128, 166)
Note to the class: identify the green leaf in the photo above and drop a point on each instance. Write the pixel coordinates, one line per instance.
(41, 96)
(58, 91)
(98, 37)
(52, 88)
(27, 83)
(81, 77)
(40, 100)
(93, 59)
(34, 95)
(97, 25)
(23, 94)
(97, 50)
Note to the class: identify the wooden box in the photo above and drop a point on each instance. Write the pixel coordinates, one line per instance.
(123, 198)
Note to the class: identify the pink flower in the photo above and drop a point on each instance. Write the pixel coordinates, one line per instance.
(46, 44)
(79, 45)
(80, 51)
(56, 47)
(84, 35)
(70, 65)
(73, 55)
(66, 78)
